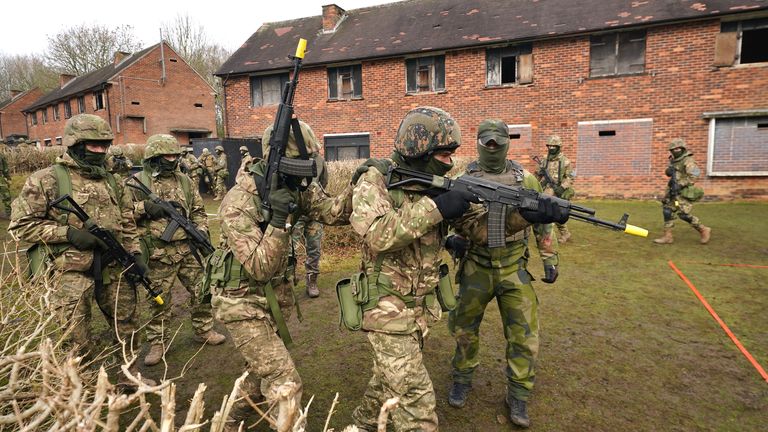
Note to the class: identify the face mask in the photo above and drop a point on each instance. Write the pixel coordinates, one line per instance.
(93, 158)
(493, 160)
(90, 163)
(554, 150)
(160, 166)
(676, 153)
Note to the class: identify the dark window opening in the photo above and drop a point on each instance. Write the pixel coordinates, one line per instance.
(754, 46)
(56, 112)
(509, 65)
(98, 100)
(135, 103)
(172, 60)
(606, 133)
(67, 109)
(508, 70)
(514, 136)
(198, 105)
(58, 140)
(45, 115)
(762, 125)
(47, 142)
(267, 90)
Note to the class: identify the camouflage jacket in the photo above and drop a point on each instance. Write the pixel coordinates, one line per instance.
(208, 161)
(119, 165)
(559, 168)
(686, 170)
(221, 163)
(168, 188)
(264, 254)
(192, 164)
(4, 166)
(33, 220)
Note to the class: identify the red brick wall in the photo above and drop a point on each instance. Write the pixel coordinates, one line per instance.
(12, 119)
(679, 84)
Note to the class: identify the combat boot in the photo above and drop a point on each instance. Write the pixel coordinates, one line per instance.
(211, 337)
(312, 289)
(705, 233)
(666, 238)
(154, 355)
(457, 397)
(564, 237)
(518, 412)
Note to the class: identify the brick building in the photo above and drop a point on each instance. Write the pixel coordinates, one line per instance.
(616, 79)
(141, 94)
(12, 121)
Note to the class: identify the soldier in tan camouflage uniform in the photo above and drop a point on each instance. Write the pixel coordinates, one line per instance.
(221, 174)
(5, 184)
(191, 167)
(117, 163)
(173, 259)
(69, 247)
(208, 172)
(559, 168)
(681, 193)
(253, 302)
(244, 152)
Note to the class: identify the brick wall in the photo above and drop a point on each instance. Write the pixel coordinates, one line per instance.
(12, 119)
(679, 84)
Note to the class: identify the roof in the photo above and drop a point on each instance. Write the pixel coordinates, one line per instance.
(91, 80)
(414, 26)
(6, 102)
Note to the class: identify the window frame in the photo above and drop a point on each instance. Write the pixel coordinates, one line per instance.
(283, 77)
(44, 116)
(336, 81)
(99, 103)
(81, 104)
(56, 115)
(34, 118)
(68, 109)
(516, 51)
(617, 52)
(711, 172)
(332, 149)
(739, 27)
(434, 65)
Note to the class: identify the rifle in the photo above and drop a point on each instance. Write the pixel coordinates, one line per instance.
(115, 250)
(544, 173)
(674, 187)
(498, 197)
(197, 239)
(278, 165)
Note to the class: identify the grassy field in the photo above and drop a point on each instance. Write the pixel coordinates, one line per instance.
(625, 343)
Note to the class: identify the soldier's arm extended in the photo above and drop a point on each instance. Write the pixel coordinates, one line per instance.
(546, 242)
(129, 234)
(382, 227)
(321, 207)
(29, 216)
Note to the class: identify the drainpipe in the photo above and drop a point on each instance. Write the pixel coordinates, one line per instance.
(162, 58)
(1, 126)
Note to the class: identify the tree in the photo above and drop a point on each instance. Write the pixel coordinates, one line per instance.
(83, 49)
(25, 72)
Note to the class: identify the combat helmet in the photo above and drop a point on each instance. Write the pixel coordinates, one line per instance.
(677, 143)
(425, 130)
(161, 144)
(243, 149)
(292, 149)
(554, 140)
(206, 151)
(219, 148)
(86, 127)
(116, 151)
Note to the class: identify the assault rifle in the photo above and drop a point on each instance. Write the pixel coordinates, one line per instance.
(674, 187)
(498, 197)
(198, 240)
(115, 250)
(544, 173)
(278, 165)
(208, 179)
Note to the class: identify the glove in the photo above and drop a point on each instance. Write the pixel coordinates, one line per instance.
(550, 274)
(559, 190)
(380, 164)
(457, 245)
(454, 203)
(670, 171)
(281, 200)
(83, 240)
(549, 211)
(154, 211)
(140, 265)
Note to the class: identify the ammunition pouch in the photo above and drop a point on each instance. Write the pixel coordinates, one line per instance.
(692, 193)
(40, 257)
(446, 293)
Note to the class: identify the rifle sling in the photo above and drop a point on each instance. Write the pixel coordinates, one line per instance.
(277, 314)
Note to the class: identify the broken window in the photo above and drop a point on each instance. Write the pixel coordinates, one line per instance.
(425, 74)
(742, 42)
(617, 53)
(81, 104)
(68, 109)
(56, 112)
(267, 90)
(98, 98)
(509, 65)
(345, 82)
(45, 115)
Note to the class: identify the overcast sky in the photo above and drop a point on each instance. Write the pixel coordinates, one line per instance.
(26, 24)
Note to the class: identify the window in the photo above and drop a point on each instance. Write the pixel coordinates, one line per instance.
(742, 42)
(509, 65)
(81, 104)
(34, 118)
(266, 90)
(58, 141)
(347, 146)
(68, 109)
(738, 146)
(617, 53)
(345, 82)
(425, 74)
(45, 115)
(98, 100)
(47, 142)
(56, 112)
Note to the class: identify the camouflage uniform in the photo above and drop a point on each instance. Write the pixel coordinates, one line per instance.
(262, 250)
(501, 273)
(5, 186)
(559, 168)
(208, 163)
(174, 259)
(192, 168)
(685, 172)
(221, 174)
(117, 163)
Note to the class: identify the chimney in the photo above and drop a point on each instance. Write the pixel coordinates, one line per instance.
(119, 56)
(332, 16)
(64, 79)
(15, 93)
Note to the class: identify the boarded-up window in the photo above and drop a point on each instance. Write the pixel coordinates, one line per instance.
(347, 146)
(617, 53)
(267, 90)
(738, 146)
(614, 148)
(345, 82)
(509, 65)
(425, 74)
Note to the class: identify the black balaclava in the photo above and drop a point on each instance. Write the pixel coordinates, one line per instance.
(90, 163)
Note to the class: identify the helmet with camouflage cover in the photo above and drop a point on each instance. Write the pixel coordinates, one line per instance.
(206, 151)
(243, 149)
(219, 148)
(424, 130)
(554, 140)
(86, 127)
(292, 149)
(161, 144)
(116, 151)
(677, 143)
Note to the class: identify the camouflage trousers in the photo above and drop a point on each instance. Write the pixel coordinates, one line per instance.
(195, 181)
(518, 304)
(5, 196)
(563, 230)
(312, 234)
(267, 360)
(220, 188)
(682, 210)
(163, 277)
(398, 371)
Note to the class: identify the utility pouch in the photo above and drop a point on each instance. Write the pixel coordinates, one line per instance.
(219, 270)
(352, 293)
(692, 193)
(36, 256)
(446, 294)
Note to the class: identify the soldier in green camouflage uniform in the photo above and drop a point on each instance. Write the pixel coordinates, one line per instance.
(208, 164)
(243, 304)
(173, 259)
(191, 167)
(221, 173)
(70, 247)
(117, 163)
(485, 274)
(5, 184)
(683, 173)
(559, 168)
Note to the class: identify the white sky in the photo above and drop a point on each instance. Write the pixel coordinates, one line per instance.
(25, 25)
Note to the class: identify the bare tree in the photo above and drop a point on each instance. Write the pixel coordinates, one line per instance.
(24, 72)
(82, 49)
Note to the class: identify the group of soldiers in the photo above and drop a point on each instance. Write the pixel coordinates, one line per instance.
(246, 284)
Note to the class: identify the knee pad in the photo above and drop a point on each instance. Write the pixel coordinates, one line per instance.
(668, 216)
(686, 217)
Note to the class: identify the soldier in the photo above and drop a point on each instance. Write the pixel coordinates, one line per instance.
(191, 167)
(681, 192)
(208, 162)
(66, 244)
(484, 274)
(5, 184)
(244, 152)
(117, 163)
(169, 260)
(252, 304)
(559, 168)
(221, 173)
